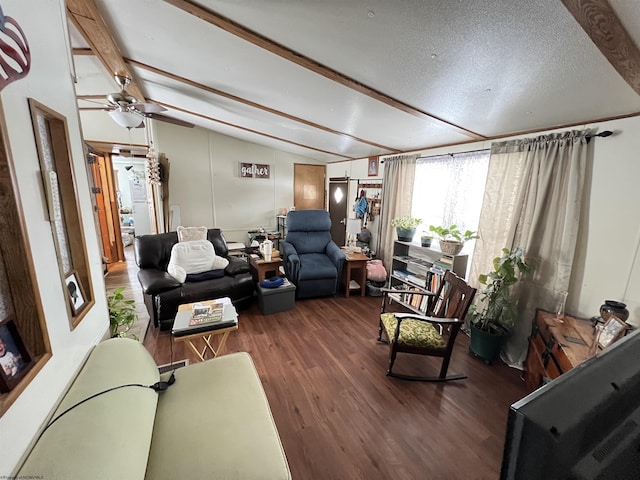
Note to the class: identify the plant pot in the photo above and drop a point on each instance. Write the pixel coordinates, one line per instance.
(405, 235)
(451, 247)
(425, 241)
(486, 345)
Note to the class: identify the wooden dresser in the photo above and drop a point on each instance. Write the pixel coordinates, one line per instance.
(555, 348)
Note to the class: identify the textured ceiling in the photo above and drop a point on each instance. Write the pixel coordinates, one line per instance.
(341, 79)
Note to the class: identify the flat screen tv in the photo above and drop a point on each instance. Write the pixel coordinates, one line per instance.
(583, 425)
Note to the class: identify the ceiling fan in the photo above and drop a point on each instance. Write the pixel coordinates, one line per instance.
(129, 112)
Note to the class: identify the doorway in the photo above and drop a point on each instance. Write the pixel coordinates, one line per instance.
(338, 196)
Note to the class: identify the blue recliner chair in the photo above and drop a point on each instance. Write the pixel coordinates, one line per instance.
(312, 261)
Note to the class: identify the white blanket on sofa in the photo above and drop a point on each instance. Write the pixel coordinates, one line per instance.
(196, 256)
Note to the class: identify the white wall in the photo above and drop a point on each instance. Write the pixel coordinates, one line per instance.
(612, 237)
(49, 82)
(205, 182)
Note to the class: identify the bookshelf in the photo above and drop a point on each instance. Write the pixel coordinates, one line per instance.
(421, 269)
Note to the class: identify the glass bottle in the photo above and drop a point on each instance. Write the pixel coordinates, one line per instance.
(561, 306)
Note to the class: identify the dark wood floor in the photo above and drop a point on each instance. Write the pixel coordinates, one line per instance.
(340, 417)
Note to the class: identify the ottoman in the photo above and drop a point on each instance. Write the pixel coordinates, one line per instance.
(274, 300)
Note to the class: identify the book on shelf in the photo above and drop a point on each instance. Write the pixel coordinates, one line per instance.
(416, 279)
(448, 260)
(401, 273)
(442, 265)
(424, 303)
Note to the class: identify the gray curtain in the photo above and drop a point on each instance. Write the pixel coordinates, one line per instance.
(533, 199)
(397, 197)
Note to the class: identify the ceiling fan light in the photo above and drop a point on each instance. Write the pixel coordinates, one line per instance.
(125, 119)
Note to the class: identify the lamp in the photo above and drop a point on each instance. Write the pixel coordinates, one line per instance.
(353, 229)
(125, 118)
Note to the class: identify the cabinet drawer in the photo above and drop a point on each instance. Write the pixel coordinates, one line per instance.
(561, 357)
(534, 367)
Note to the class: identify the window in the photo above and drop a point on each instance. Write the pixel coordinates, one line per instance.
(448, 190)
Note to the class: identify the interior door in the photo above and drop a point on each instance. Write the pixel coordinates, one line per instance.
(308, 186)
(106, 206)
(338, 193)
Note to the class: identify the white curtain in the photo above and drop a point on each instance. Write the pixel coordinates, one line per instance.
(397, 195)
(533, 199)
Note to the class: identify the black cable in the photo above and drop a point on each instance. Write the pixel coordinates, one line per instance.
(156, 387)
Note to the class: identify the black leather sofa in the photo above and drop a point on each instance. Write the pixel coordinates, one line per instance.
(163, 293)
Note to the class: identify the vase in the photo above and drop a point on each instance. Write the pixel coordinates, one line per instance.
(611, 307)
(405, 234)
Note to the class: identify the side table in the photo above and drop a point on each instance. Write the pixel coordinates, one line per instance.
(260, 267)
(355, 261)
(183, 332)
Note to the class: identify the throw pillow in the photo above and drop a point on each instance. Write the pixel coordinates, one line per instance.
(208, 275)
(188, 234)
(195, 256)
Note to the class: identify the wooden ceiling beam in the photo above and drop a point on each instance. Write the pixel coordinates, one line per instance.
(255, 38)
(598, 19)
(87, 19)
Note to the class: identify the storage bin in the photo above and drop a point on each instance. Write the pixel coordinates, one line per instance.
(275, 300)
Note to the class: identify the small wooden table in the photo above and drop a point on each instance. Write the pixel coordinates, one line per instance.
(260, 267)
(355, 261)
(205, 331)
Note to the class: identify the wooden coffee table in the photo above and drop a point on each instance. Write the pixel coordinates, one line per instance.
(182, 332)
(260, 267)
(355, 261)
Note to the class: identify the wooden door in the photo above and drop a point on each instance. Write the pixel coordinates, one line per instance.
(308, 186)
(338, 201)
(106, 209)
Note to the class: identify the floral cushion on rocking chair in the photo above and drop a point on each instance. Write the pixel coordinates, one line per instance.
(414, 333)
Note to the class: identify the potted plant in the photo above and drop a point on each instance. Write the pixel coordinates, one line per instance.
(452, 239)
(406, 227)
(122, 313)
(499, 312)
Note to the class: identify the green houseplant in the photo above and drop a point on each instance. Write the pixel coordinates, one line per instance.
(406, 227)
(491, 324)
(451, 238)
(122, 313)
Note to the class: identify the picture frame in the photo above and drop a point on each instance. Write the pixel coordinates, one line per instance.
(374, 166)
(15, 360)
(75, 293)
(612, 330)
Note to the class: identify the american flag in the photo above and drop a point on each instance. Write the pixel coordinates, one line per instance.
(15, 56)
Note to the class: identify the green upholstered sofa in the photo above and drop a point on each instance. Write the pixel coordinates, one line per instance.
(213, 422)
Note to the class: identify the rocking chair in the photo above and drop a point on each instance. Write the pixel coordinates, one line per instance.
(431, 334)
